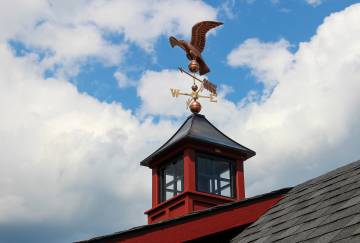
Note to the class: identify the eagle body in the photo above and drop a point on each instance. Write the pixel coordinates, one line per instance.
(196, 46)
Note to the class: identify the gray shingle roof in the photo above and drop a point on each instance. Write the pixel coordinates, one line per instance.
(197, 127)
(324, 209)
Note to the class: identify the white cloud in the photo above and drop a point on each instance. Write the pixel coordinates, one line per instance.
(143, 23)
(18, 16)
(67, 158)
(228, 9)
(312, 116)
(71, 46)
(123, 80)
(154, 91)
(156, 98)
(62, 152)
(314, 2)
(68, 34)
(268, 61)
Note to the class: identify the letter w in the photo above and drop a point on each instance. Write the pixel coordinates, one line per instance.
(175, 92)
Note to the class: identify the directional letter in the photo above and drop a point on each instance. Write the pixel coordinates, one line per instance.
(213, 98)
(175, 92)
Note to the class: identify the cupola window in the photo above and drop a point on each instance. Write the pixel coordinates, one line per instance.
(171, 179)
(215, 175)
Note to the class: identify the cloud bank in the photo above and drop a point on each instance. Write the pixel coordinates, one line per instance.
(67, 158)
(67, 34)
(309, 121)
(70, 163)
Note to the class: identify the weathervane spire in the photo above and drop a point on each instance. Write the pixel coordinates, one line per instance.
(197, 64)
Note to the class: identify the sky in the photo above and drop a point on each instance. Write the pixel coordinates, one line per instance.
(85, 96)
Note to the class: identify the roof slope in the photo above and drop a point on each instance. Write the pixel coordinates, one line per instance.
(197, 127)
(182, 220)
(324, 209)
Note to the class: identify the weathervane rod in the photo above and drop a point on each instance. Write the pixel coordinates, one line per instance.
(206, 83)
(193, 76)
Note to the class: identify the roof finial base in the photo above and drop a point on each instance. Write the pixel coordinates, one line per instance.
(195, 107)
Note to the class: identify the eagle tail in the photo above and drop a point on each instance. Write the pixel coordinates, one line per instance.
(203, 68)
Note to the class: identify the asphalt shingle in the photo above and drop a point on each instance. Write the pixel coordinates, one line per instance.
(324, 209)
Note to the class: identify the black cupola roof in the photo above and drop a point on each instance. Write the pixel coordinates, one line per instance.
(196, 127)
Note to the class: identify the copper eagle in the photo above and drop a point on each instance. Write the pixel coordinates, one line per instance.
(196, 46)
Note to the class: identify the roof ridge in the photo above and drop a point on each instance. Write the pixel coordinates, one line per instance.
(192, 122)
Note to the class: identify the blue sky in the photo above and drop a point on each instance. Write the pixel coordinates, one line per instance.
(85, 96)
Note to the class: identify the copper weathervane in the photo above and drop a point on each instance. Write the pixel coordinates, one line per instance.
(193, 52)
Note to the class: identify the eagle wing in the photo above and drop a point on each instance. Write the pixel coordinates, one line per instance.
(199, 31)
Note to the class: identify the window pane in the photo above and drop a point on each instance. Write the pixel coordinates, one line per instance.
(170, 185)
(171, 179)
(169, 195)
(226, 192)
(225, 174)
(179, 185)
(213, 175)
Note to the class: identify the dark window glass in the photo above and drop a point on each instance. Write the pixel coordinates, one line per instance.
(172, 179)
(215, 175)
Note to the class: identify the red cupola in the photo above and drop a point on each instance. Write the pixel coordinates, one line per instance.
(197, 168)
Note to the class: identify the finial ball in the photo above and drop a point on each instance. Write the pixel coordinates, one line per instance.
(193, 66)
(195, 107)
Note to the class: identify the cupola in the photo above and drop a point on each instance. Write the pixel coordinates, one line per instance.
(197, 168)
